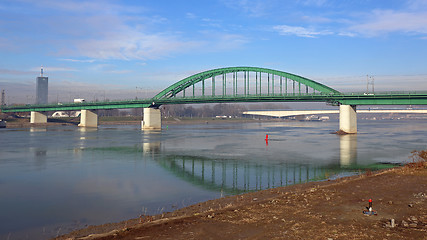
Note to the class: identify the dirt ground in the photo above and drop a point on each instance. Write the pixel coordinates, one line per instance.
(320, 210)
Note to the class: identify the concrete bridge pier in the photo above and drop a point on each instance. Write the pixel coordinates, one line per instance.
(348, 119)
(38, 117)
(88, 119)
(152, 119)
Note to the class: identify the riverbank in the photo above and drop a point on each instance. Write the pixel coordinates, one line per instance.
(318, 210)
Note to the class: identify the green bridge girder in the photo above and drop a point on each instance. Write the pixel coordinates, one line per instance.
(78, 106)
(250, 87)
(346, 99)
(179, 87)
(388, 98)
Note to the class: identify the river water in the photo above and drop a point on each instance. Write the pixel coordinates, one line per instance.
(56, 179)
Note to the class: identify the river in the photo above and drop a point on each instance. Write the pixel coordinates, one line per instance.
(56, 179)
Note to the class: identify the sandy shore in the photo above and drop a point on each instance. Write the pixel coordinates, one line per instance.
(319, 210)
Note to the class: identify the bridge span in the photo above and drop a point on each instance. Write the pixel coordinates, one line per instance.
(230, 85)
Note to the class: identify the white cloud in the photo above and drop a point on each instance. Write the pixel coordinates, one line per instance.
(78, 60)
(103, 30)
(316, 3)
(111, 37)
(231, 41)
(211, 22)
(347, 34)
(223, 41)
(383, 83)
(91, 7)
(190, 15)
(417, 4)
(255, 8)
(14, 72)
(4, 42)
(54, 69)
(108, 68)
(96, 30)
(132, 45)
(317, 19)
(299, 31)
(120, 71)
(381, 22)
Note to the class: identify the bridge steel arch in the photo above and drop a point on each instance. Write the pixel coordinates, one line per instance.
(246, 85)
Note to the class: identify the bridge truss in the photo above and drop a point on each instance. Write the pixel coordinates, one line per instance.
(243, 82)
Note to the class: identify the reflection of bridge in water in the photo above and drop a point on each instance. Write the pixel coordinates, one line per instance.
(236, 176)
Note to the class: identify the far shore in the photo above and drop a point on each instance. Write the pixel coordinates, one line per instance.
(25, 122)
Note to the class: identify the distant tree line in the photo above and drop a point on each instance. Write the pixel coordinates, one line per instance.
(194, 110)
(213, 110)
(203, 111)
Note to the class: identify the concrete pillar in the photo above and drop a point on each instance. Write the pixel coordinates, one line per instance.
(38, 117)
(88, 119)
(152, 119)
(348, 150)
(348, 118)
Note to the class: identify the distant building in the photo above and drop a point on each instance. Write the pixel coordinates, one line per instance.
(42, 88)
(66, 114)
(3, 98)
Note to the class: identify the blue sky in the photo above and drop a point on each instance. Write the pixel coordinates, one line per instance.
(127, 48)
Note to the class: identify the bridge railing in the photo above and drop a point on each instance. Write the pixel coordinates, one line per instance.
(116, 104)
(390, 93)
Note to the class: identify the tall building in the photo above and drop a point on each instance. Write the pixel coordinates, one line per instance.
(42, 88)
(3, 98)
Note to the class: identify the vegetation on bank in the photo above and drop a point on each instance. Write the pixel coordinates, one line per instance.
(418, 159)
(119, 118)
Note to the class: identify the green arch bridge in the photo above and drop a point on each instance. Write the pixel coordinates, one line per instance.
(234, 84)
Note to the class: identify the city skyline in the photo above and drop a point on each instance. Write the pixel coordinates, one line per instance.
(119, 49)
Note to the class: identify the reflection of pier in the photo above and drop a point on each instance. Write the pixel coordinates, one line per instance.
(348, 150)
(151, 147)
(234, 176)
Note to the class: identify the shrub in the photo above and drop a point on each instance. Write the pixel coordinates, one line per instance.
(419, 159)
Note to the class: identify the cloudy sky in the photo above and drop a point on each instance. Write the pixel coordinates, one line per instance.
(118, 49)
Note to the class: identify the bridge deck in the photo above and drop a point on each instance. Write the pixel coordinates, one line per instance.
(335, 99)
